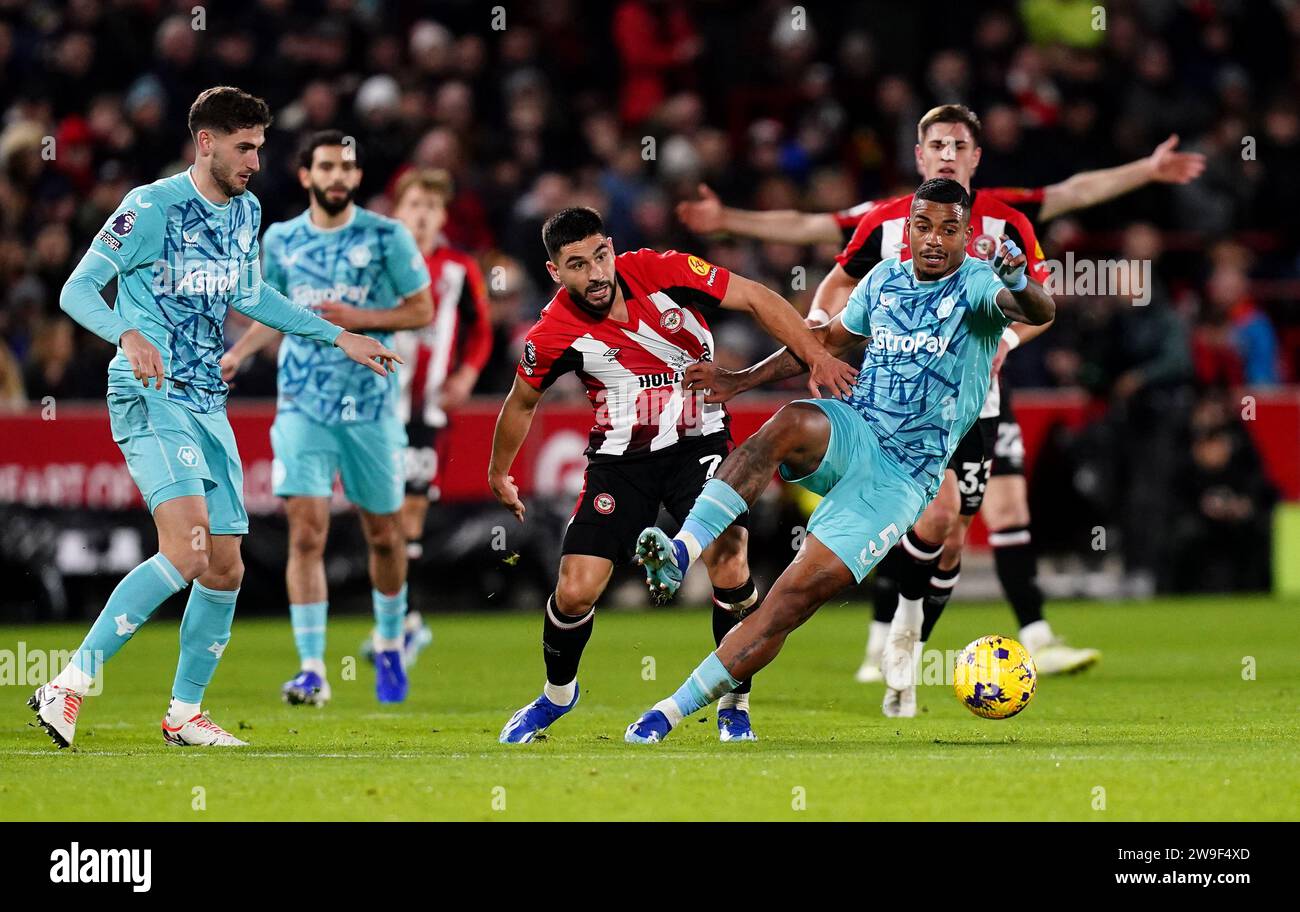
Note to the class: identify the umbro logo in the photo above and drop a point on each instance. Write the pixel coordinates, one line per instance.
(611, 354)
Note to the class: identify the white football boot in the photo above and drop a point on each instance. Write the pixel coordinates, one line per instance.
(898, 666)
(899, 704)
(199, 731)
(56, 712)
(869, 670)
(902, 656)
(1050, 653)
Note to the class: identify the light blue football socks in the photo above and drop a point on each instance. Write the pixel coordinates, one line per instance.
(390, 612)
(715, 509)
(133, 601)
(308, 622)
(205, 631)
(707, 683)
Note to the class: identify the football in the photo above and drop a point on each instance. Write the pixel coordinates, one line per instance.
(995, 677)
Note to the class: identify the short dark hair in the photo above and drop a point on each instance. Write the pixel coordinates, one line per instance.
(313, 141)
(944, 190)
(950, 114)
(226, 109)
(570, 225)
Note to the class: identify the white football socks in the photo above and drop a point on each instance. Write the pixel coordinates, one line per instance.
(179, 713)
(561, 694)
(74, 679)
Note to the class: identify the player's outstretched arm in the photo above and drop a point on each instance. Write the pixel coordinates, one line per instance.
(512, 427)
(275, 310)
(831, 296)
(1165, 165)
(415, 311)
(1021, 300)
(722, 384)
(254, 339)
(781, 321)
(707, 215)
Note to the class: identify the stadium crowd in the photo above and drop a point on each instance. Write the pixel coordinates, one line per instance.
(630, 106)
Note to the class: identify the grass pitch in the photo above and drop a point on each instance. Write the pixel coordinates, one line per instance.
(1170, 726)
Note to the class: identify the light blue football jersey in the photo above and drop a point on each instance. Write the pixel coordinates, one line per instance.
(182, 261)
(929, 355)
(372, 262)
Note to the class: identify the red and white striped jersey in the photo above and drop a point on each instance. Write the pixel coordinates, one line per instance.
(633, 370)
(460, 333)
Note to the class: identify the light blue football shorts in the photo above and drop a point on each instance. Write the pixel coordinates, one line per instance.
(868, 503)
(173, 452)
(368, 455)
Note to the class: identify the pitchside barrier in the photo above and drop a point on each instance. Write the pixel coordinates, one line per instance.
(63, 460)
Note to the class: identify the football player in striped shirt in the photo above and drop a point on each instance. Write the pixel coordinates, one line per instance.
(629, 325)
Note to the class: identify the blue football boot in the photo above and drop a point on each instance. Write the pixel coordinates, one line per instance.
(535, 718)
(390, 677)
(308, 688)
(651, 728)
(733, 725)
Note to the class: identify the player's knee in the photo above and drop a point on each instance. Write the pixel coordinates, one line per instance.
(225, 575)
(1006, 515)
(307, 540)
(575, 597)
(944, 519)
(191, 563)
(387, 542)
(727, 562)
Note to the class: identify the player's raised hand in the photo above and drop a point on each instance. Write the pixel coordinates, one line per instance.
(146, 363)
(718, 383)
(1009, 263)
(507, 494)
(368, 351)
(833, 374)
(350, 318)
(1169, 166)
(703, 216)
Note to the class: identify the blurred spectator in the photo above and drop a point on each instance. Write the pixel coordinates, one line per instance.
(556, 110)
(656, 44)
(1222, 530)
(53, 368)
(11, 381)
(1235, 341)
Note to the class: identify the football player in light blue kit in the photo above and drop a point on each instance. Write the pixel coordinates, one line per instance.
(932, 326)
(333, 418)
(183, 251)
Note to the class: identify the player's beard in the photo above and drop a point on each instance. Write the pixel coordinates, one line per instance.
(223, 177)
(331, 206)
(586, 302)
